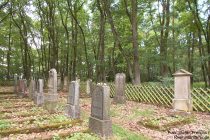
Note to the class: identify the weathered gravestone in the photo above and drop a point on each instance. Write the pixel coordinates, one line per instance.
(73, 109)
(65, 84)
(52, 95)
(32, 87)
(182, 98)
(59, 84)
(39, 96)
(22, 88)
(89, 87)
(119, 96)
(99, 121)
(15, 83)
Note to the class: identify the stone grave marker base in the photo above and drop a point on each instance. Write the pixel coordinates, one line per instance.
(182, 104)
(100, 127)
(39, 100)
(73, 111)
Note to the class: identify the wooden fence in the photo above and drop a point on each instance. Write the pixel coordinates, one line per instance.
(160, 95)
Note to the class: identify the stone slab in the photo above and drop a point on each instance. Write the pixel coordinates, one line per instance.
(101, 127)
(182, 105)
(73, 111)
(100, 103)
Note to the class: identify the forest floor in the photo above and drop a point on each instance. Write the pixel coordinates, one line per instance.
(21, 119)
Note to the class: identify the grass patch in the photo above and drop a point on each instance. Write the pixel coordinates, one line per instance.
(167, 122)
(144, 113)
(82, 136)
(4, 124)
(123, 134)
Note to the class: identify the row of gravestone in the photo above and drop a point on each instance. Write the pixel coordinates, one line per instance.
(99, 121)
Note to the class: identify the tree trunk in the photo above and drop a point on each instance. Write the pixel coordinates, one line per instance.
(136, 69)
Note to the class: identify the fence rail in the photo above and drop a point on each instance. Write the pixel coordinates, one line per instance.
(159, 95)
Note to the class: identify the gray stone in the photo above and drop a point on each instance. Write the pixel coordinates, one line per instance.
(73, 109)
(22, 88)
(89, 87)
(59, 84)
(16, 84)
(39, 96)
(99, 121)
(32, 87)
(182, 98)
(52, 95)
(65, 84)
(119, 96)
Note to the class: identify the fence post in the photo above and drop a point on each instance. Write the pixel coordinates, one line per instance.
(182, 98)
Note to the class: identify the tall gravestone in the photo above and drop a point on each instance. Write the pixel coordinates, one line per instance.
(22, 87)
(89, 87)
(119, 96)
(39, 96)
(52, 95)
(32, 87)
(73, 109)
(182, 98)
(99, 121)
(59, 84)
(65, 84)
(15, 83)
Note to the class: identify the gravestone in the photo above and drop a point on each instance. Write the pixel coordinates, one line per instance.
(89, 87)
(32, 87)
(99, 121)
(22, 88)
(119, 96)
(59, 84)
(182, 98)
(15, 83)
(39, 96)
(52, 96)
(65, 84)
(73, 109)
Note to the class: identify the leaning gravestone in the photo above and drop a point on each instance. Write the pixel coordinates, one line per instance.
(119, 96)
(182, 98)
(99, 121)
(73, 109)
(32, 87)
(39, 96)
(52, 95)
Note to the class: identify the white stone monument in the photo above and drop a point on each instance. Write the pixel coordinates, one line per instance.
(182, 98)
